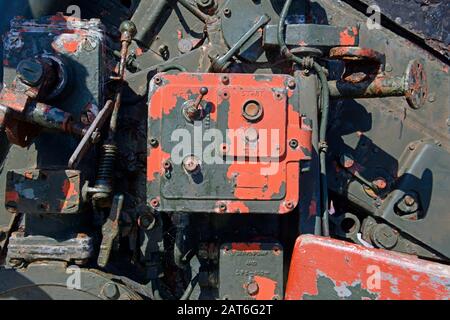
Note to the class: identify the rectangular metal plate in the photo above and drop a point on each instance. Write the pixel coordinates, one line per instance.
(245, 165)
(324, 268)
(43, 191)
(251, 271)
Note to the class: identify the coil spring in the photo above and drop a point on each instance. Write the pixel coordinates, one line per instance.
(106, 166)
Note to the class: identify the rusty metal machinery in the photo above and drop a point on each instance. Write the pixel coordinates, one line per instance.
(221, 149)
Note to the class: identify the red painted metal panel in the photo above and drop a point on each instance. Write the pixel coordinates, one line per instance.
(324, 268)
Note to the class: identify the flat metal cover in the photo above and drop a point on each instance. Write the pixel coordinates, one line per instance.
(240, 153)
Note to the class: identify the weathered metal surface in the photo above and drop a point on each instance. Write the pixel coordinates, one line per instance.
(425, 19)
(168, 232)
(59, 281)
(324, 268)
(251, 271)
(28, 248)
(254, 168)
(44, 191)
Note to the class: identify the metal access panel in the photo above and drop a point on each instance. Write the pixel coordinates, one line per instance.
(324, 268)
(251, 271)
(225, 143)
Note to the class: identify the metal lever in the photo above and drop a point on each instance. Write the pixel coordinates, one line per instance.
(220, 64)
(110, 231)
(91, 134)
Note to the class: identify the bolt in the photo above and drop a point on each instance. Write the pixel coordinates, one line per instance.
(385, 236)
(293, 144)
(222, 207)
(252, 288)
(191, 164)
(164, 51)
(154, 203)
(205, 4)
(167, 165)
(227, 12)
(154, 143)
(290, 205)
(128, 27)
(380, 183)
(147, 221)
(16, 263)
(409, 201)
(184, 46)
(158, 80)
(225, 80)
(30, 71)
(252, 111)
(111, 291)
(291, 84)
(251, 135)
(432, 97)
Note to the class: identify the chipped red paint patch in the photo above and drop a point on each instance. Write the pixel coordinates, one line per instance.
(155, 160)
(349, 37)
(267, 288)
(241, 246)
(324, 268)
